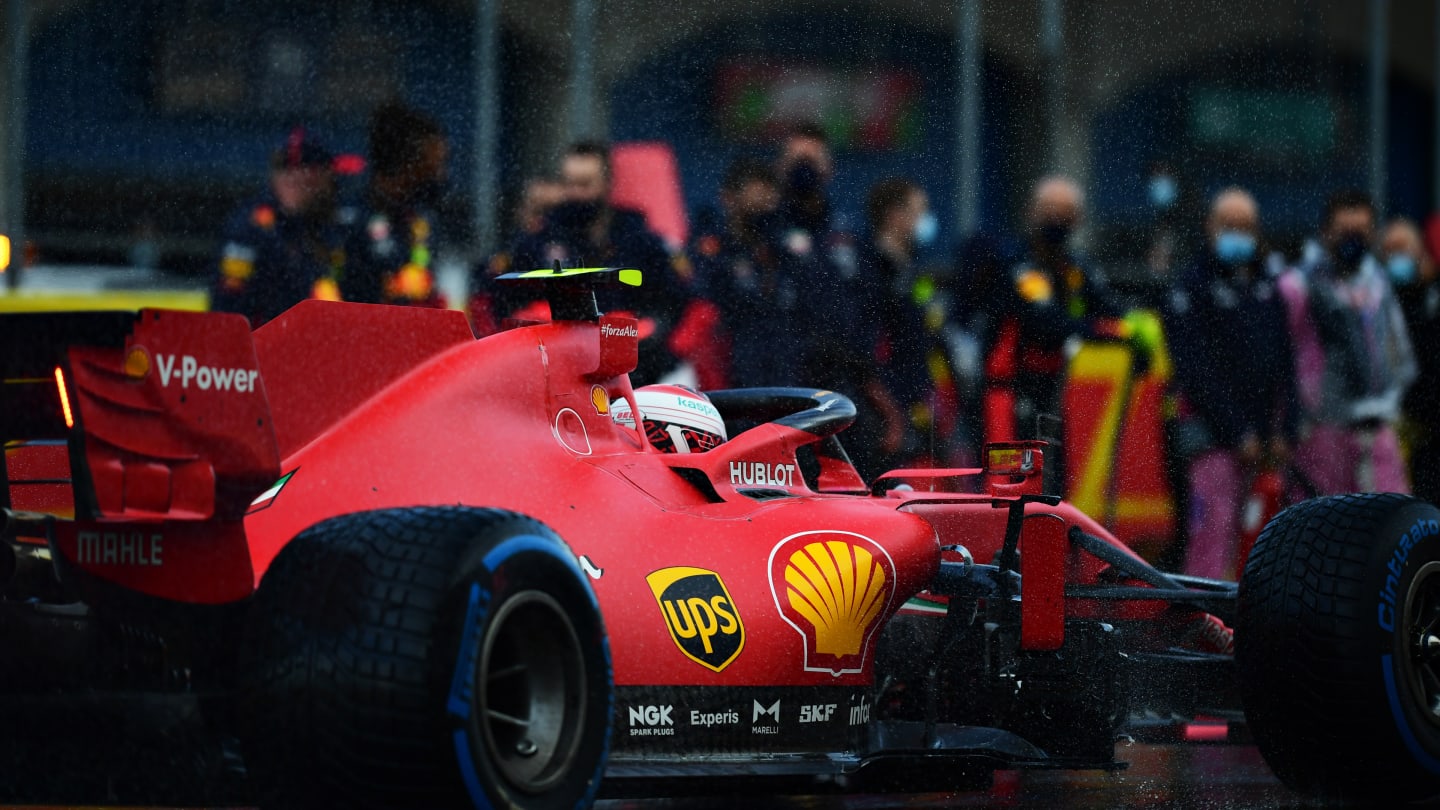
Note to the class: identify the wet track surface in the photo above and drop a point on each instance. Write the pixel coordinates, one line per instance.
(1179, 777)
(155, 753)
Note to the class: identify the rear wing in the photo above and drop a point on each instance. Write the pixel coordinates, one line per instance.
(152, 415)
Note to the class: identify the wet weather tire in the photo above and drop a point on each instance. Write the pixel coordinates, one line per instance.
(1338, 647)
(427, 657)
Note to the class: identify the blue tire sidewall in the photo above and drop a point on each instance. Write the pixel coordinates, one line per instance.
(1408, 540)
(483, 585)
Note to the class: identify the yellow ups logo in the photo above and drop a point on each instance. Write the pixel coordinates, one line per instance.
(701, 616)
(832, 587)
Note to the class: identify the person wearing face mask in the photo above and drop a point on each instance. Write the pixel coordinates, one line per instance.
(805, 167)
(903, 317)
(390, 253)
(1354, 360)
(1051, 298)
(288, 245)
(586, 230)
(1412, 272)
(1234, 381)
(744, 273)
(1163, 250)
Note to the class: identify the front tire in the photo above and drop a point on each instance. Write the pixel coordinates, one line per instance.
(1338, 647)
(435, 657)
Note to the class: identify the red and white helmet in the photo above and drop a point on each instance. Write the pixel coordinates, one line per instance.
(677, 419)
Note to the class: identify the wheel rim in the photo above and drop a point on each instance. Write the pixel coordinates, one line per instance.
(531, 686)
(1421, 636)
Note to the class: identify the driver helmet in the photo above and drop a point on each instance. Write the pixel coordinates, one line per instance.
(677, 418)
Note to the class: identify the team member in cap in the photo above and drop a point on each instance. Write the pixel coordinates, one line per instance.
(286, 245)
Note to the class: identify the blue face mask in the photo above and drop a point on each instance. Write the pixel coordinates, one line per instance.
(1163, 191)
(926, 229)
(1401, 267)
(1234, 247)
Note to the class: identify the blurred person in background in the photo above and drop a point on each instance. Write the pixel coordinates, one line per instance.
(981, 275)
(539, 195)
(1051, 298)
(839, 332)
(1412, 272)
(745, 273)
(1353, 357)
(1165, 248)
(1228, 337)
(287, 245)
(389, 255)
(805, 167)
(585, 229)
(906, 318)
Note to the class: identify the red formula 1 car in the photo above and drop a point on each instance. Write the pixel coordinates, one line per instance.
(414, 569)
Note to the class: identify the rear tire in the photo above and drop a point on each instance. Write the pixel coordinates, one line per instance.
(1338, 647)
(428, 657)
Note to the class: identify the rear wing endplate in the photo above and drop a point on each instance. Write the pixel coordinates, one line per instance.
(163, 412)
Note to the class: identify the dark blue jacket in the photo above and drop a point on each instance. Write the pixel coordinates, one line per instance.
(894, 324)
(389, 255)
(271, 260)
(1053, 304)
(1234, 364)
(755, 283)
(629, 242)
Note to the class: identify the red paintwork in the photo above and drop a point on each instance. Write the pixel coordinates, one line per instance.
(1042, 570)
(317, 369)
(201, 562)
(509, 421)
(33, 462)
(376, 407)
(186, 434)
(175, 432)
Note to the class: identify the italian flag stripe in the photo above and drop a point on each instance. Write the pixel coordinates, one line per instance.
(921, 605)
(269, 494)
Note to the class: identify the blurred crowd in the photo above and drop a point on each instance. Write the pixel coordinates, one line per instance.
(1317, 370)
(300, 240)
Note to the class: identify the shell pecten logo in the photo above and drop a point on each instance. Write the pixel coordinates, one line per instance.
(832, 587)
(137, 363)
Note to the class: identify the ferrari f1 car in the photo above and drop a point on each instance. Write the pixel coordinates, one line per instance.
(411, 568)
